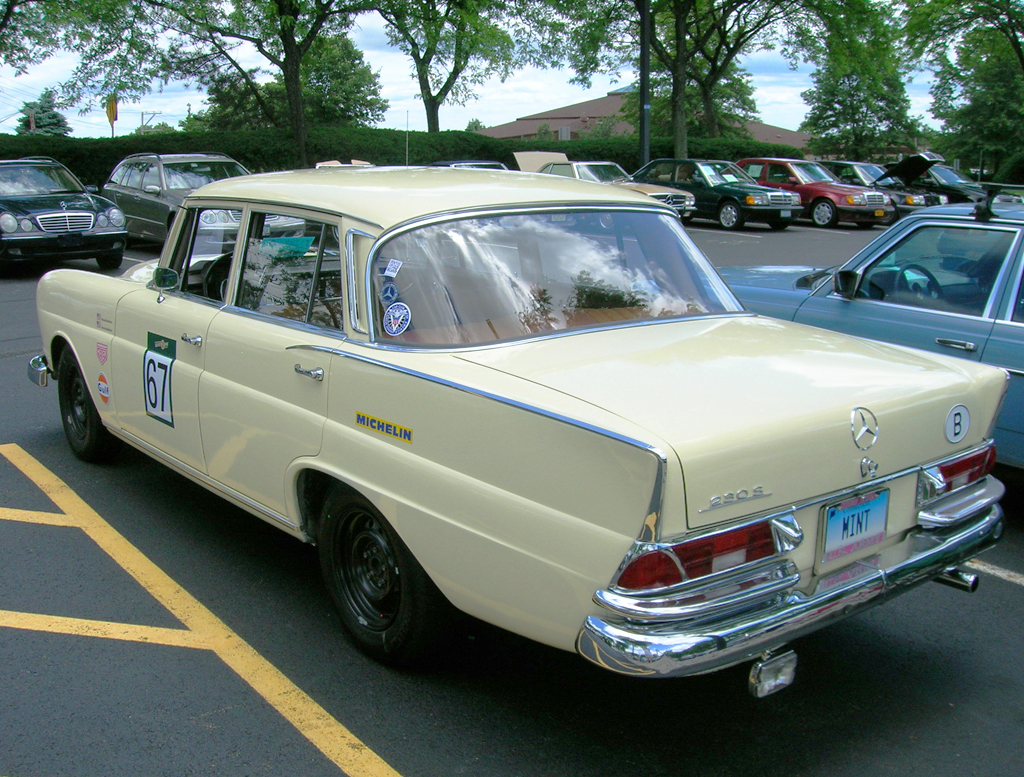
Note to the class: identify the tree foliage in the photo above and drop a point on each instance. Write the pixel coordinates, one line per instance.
(40, 117)
(979, 97)
(338, 88)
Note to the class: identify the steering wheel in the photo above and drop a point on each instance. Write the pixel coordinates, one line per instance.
(215, 278)
(919, 281)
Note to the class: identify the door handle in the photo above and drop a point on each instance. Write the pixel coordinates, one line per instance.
(197, 341)
(960, 345)
(316, 373)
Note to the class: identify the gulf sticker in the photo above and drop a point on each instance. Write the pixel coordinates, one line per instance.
(103, 388)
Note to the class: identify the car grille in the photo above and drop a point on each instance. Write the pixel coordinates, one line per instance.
(780, 198)
(66, 221)
(675, 200)
(876, 199)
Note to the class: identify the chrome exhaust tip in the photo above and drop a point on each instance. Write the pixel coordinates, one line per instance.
(956, 578)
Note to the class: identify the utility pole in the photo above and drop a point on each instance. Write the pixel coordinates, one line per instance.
(143, 121)
(645, 82)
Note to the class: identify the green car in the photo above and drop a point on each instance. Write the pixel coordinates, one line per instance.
(724, 193)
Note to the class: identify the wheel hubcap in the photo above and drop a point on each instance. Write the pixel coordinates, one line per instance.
(369, 577)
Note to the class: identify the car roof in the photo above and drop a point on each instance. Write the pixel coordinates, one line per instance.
(198, 156)
(387, 196)
(968, 211)
(31, 160)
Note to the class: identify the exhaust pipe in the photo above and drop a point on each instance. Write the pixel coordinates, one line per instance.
(956, 578)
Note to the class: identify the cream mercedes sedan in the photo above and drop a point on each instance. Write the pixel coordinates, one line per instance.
(530, 399)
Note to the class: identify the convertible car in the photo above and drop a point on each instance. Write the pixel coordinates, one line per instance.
(944, 279)
(530, 399)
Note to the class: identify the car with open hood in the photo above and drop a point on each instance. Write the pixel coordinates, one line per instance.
(530, 399)
(826, 200)
(947, 280)
(46, 213)
(723, 192)
(892, 179)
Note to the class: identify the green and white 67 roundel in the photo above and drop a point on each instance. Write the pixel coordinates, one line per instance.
(157, 364)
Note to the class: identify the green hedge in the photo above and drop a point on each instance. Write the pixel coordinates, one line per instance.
(92, 159)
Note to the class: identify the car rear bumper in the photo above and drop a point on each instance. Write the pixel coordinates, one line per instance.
(663, 649)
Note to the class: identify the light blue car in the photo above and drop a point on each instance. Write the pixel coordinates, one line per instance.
(946, 279)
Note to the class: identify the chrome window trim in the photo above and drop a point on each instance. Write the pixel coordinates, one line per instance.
(350, 262)
(651, 527)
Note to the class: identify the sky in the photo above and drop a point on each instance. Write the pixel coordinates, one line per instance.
(777, 90)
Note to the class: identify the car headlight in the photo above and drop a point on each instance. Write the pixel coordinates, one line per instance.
(26, 225)
(914, 199)
(856, 199)
(8, 223)
(943, 199)
(116, 217)
(757, 199)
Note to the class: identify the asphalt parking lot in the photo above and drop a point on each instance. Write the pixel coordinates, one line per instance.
(147, 627)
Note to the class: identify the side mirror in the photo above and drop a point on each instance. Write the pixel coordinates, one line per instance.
(165, 279)
(844, 283)
(152, 189)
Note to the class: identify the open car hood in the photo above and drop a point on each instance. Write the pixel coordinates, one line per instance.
(911, 167)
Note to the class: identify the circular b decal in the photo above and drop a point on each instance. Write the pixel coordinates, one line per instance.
(397, 319)
(957, 423)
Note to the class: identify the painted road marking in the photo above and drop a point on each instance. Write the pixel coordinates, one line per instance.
(992, 569)
(203, 630)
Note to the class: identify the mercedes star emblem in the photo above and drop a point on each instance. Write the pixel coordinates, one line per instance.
(864, 426)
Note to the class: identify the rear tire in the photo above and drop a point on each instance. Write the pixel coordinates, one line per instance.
(388, 604)
(87, 436)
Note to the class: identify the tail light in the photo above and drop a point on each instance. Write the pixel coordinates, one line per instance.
(673, 564)
(955, 473)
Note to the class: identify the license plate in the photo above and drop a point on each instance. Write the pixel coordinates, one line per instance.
(786, 214)
(879, 213)
(854, 524)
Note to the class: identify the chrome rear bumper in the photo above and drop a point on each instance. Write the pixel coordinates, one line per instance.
(675, 648)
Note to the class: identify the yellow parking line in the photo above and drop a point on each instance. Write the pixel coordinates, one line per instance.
(204, 629)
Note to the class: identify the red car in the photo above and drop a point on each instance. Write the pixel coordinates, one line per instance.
(826, 200)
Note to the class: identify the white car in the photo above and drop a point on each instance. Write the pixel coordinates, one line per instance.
(530, 399)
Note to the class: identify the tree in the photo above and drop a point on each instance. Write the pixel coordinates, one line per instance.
(978, 97)
(198, 39)
(859, 107)
(454, 45)
(338, 87)
(932, 25)
(474, 125)
(40, 117)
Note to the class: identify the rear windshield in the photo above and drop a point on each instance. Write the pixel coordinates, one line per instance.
(480, 280)
(192, 175)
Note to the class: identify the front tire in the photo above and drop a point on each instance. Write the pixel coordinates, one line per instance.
(777, 226)
(824, 213)
(110, 261)
(87, 436)
(388, 604)
(730, 216)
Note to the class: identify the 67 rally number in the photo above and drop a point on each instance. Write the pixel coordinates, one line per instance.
(157, 365)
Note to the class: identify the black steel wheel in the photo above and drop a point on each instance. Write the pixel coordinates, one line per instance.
(387, 602)
(87, 436)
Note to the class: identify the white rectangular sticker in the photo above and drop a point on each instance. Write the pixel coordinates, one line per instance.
(157, 365)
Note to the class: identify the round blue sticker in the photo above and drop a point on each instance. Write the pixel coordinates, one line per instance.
(389, 292)
(397, 319)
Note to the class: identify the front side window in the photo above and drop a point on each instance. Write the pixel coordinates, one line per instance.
(479, 280)
(602, 173)
(946, 268)
(292, 269)
(203, 254)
